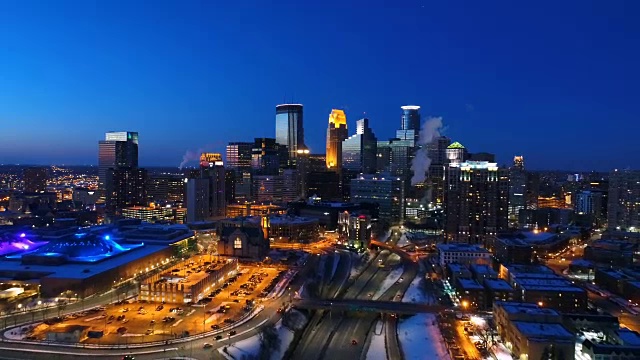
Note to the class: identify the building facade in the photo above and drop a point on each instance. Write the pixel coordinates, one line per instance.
(34, 179)
(289, 129)
(624, 200)
(119, 149)
(336, 134)
(359, 150)
(385, 190)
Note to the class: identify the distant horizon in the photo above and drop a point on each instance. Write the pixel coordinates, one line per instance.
(196, 166)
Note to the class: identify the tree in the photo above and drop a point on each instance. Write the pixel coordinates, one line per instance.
(269, 341)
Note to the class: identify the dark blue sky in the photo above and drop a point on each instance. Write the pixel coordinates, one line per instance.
(556, 81)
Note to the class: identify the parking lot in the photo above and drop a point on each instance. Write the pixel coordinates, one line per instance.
(136, 321)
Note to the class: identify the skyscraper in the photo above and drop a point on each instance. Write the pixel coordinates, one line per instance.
(289, 128)
(119, 149)
(385, 190)
(126, 186)
(34, 179)
(336, 134)
(476, 201)
(359, 151)
(268, 156)
(239, 156)
(410, 124)
(206, 197)
(517, 189)
(624, 200)
(437, 152)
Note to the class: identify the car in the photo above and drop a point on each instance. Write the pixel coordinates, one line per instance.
(218, 337)
(128, 357)
(232, 332)
(354, 342)
(401, 279)
(280, 310)
(148, 332)
(215, 327)
(229, 321)
(370, 294)
(207, 346)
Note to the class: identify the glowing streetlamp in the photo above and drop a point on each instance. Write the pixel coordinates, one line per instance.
(540, 303)
(465, 304)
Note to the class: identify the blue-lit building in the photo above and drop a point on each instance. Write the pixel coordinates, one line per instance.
(289, 129)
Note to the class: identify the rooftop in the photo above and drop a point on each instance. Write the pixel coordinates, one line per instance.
(497, 285)
(542, 330)
(455, 145)
(629, 337)
(524, 308)
(482, 269)
(470, 284)
(455, 267)
(462, 248)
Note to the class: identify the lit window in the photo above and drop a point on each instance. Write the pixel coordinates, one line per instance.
(237, 243)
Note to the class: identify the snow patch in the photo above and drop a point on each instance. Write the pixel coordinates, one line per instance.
(377, 348)
(391, 279)
(404, 241)
(336, 260)
(415, 293)
(251, 346)
(419, 335)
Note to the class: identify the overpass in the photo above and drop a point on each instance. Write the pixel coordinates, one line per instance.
(398, 250)
(348, 305)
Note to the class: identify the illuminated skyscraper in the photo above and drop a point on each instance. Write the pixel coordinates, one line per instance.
(624, 200)
(119, 149)
(289, 128)
(239, 156)
(517, 189)
(476, 201)
(359, 151)
(410, 124)
(336, 134)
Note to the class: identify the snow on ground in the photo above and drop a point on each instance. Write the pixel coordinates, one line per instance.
(404, 241)
(15, 334)
(358, 260)
(386, 236)
(419, 335)
(336, 260)
(377, 349)
(415, 293)
(391, 279)
(501, 352)
(251, 346)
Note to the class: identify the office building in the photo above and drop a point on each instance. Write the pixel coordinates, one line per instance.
(336, 134)
(385, 190)
(206, 197)
(517, 190)
(359, 151)
(166, 188)
(324, 185)
(410, 124)
(119, 149)
(35, 179)
(238, 156)
(268, 156)
(533, 190)
(476, 201)
(590, 203)
(243, 187)
(267, 188)
(126, 187)
(289, 129)
(462, 254)
(229, 186)
(624, 200)
(383, 156)
(437, 152)
(317, 162)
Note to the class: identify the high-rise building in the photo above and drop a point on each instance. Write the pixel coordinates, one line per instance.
(317, 162)
(239, 156)
(624, 200)
(290, 185)
(517, 190)
(289, 129)
(410, 124)
(385, 190)
(456, 153)
(267, 188)
(383, 156)
(165, 188)
(268, 156)
(533, 190)
(35, 179)
(230, 186)
(206, 197)
(437, 152)
(336, 134)
(324, 184)
(119, 149)
(476, 201)
(126, 186)
(359, 151)
(589, 203)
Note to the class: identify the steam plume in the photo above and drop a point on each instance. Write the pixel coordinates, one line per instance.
(420, 166)
(190, 156)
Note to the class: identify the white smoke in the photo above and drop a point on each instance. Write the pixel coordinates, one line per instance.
(421, 162)
(190, 156)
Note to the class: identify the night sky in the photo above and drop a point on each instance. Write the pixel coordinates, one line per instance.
(556, 81)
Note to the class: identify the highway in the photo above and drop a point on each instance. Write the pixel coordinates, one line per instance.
(193, 349)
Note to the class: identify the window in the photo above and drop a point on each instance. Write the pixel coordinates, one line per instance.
(237, 243)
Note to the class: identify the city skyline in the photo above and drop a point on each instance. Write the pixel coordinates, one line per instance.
(545, 89)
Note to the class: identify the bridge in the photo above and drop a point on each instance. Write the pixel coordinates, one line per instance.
(349, 305)
(398, 250)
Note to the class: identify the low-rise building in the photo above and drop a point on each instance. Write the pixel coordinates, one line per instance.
(481, 272)
(497, 290)
(355, 230)
(463, 254)
(533, 332)
(457, 271)
(611, 252)
(247, 242)
(470, 293)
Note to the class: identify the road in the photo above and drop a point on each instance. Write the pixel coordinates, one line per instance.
(189, 349)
